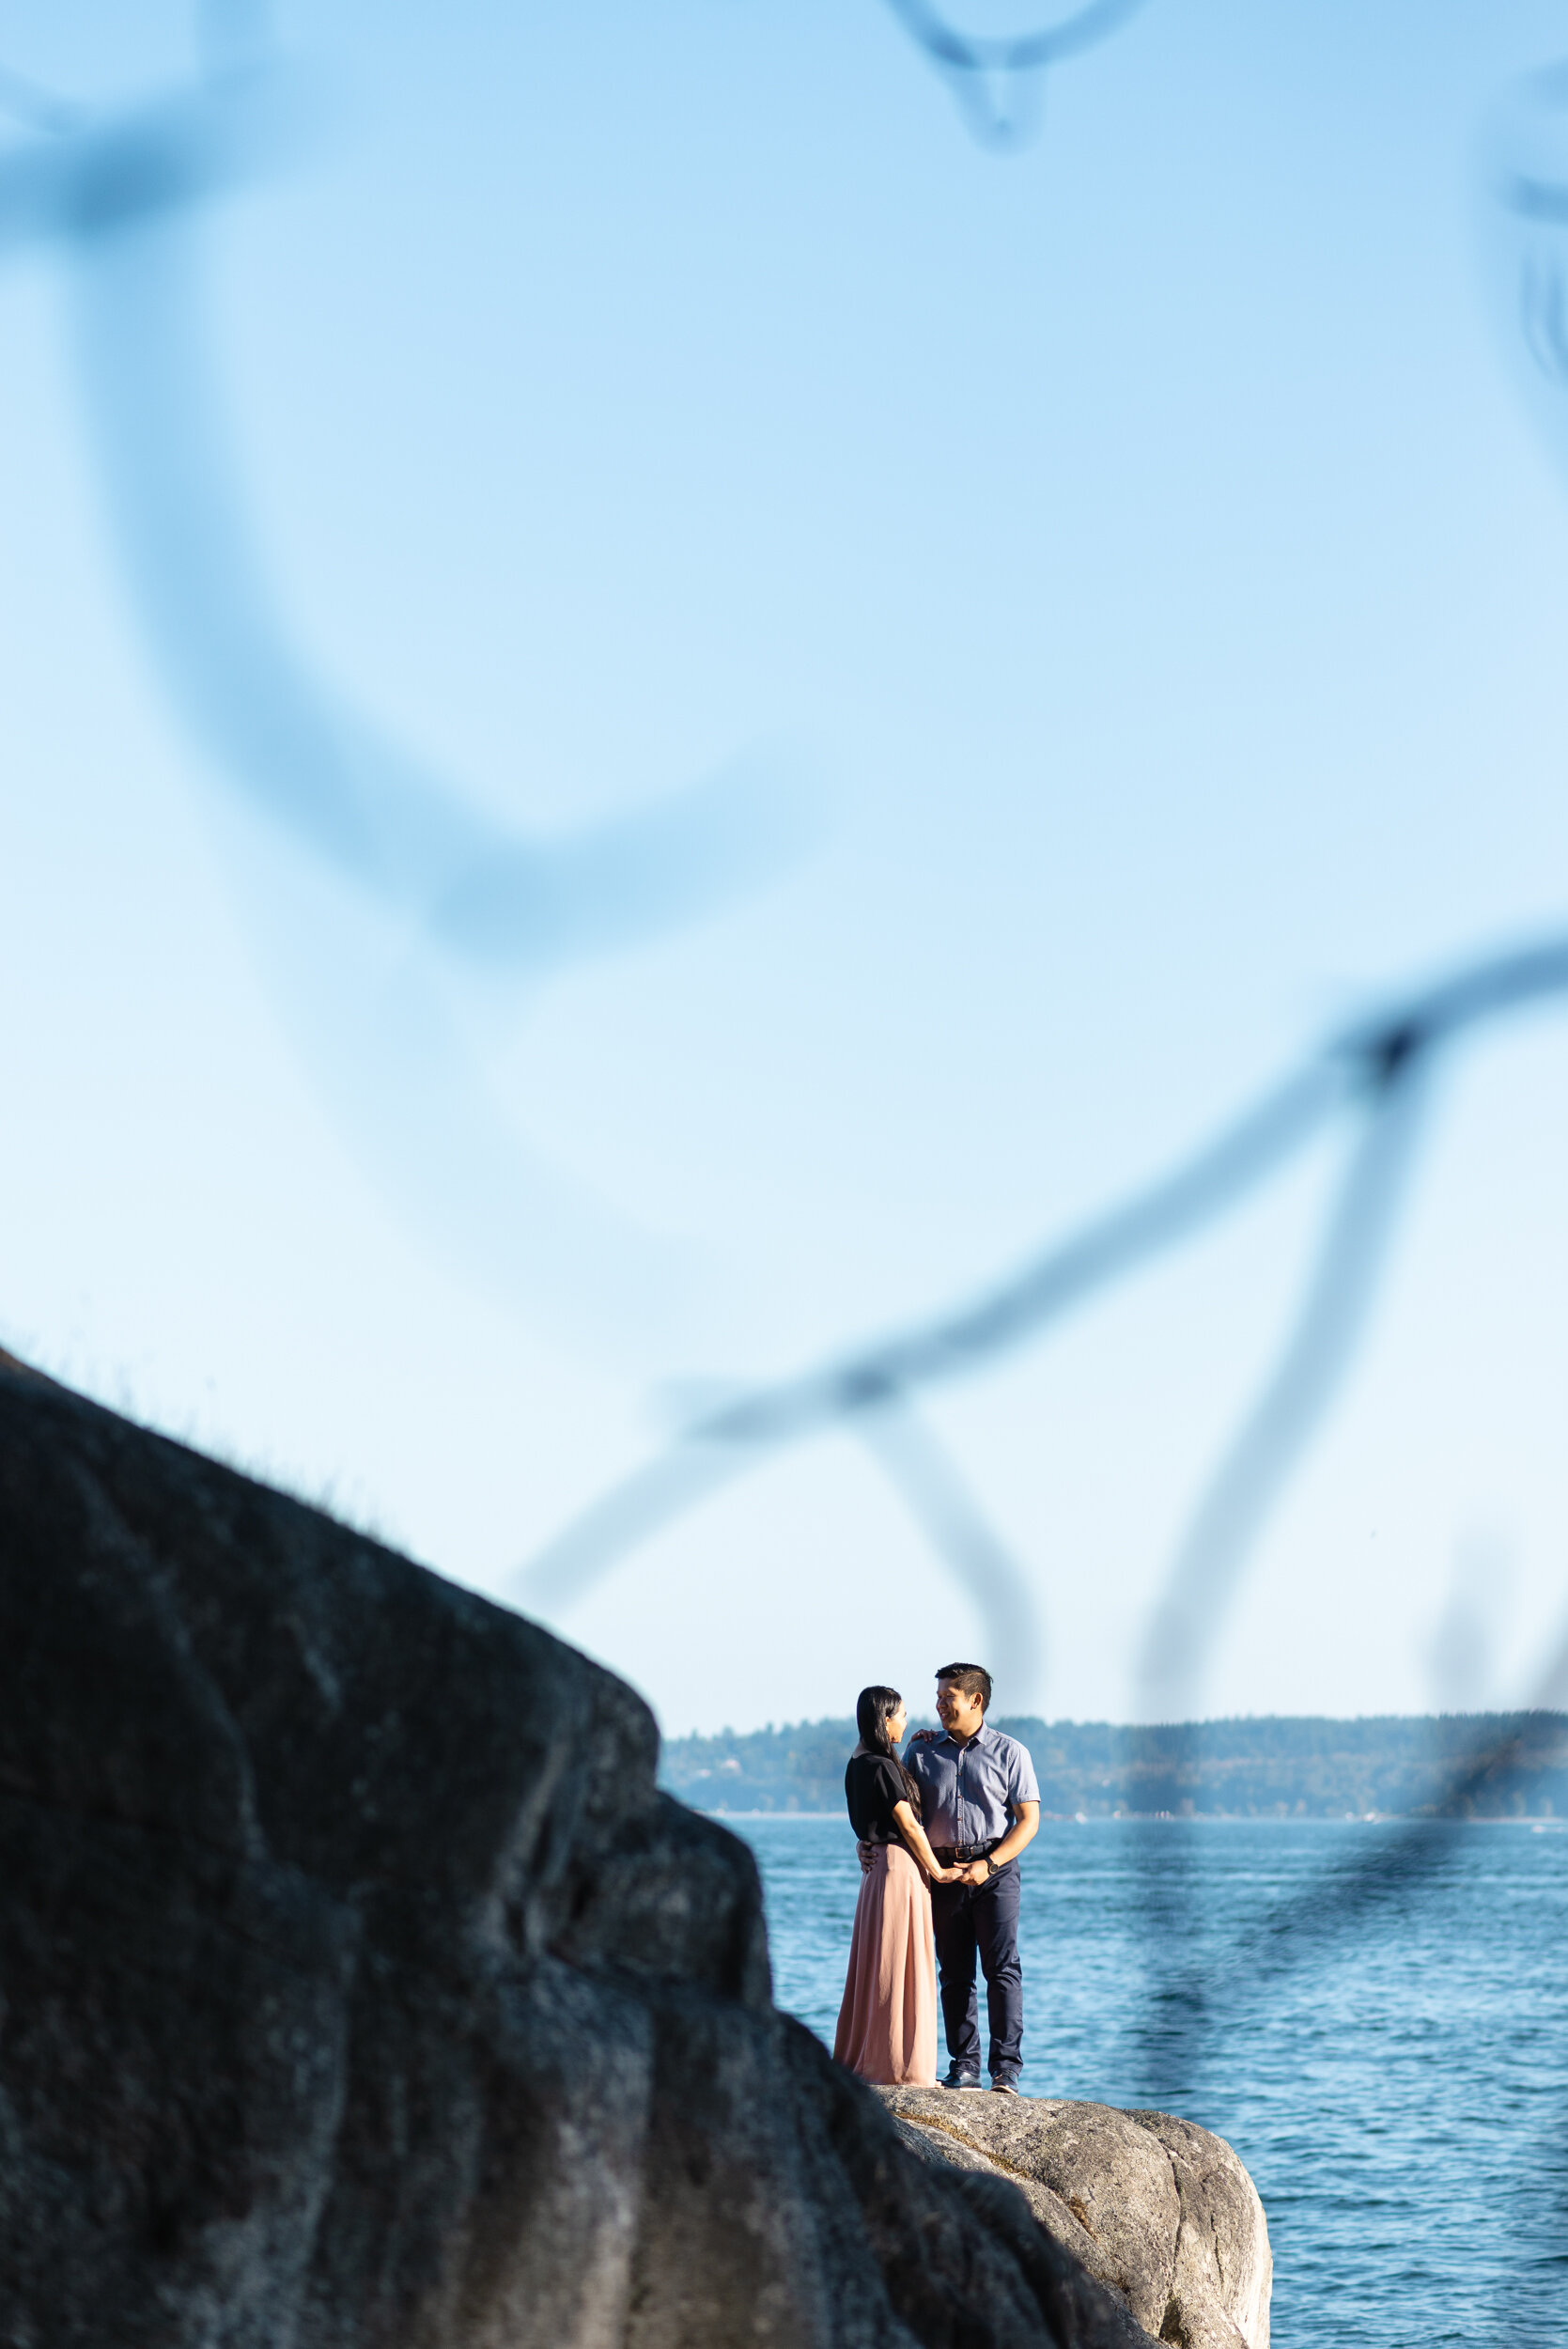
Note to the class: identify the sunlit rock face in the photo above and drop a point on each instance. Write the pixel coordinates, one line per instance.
(359, 1987)
(1163, 2212)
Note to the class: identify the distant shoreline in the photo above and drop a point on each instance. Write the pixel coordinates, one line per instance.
(1494, 1766)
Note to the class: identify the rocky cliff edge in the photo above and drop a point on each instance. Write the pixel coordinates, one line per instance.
(358, 1987)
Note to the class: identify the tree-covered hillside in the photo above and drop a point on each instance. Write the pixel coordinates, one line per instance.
(1477, 1764)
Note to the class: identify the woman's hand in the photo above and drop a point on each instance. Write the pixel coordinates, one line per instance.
(945, 1876)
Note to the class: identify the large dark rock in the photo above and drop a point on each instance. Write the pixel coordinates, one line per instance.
(359, 1987)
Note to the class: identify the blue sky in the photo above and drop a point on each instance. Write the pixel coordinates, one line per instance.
(1134, 575)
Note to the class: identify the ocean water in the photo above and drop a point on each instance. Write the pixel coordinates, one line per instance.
(1376, 2017)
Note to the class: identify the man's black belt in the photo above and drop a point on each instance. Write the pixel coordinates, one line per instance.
(952, 1854)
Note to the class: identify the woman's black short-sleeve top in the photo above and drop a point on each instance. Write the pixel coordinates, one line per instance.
(872, 1786)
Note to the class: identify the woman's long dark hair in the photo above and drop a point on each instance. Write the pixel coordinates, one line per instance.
(874, 1710)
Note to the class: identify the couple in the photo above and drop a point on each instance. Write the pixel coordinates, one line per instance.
(939, 1830)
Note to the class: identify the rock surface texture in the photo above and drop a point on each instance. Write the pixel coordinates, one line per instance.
(358, 1987)
(1161, 2212)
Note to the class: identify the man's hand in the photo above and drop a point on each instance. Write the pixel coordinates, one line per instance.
(977, 1872)
(866, 1855)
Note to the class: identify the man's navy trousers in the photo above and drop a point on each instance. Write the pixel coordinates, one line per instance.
(981, 1921)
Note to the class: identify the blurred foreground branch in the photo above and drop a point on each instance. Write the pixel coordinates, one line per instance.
(1374, 1075)
(998, 80)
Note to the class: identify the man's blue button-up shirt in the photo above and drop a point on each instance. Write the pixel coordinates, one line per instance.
(966, 1793)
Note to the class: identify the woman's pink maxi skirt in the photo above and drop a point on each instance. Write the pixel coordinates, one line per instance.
(887, 2026)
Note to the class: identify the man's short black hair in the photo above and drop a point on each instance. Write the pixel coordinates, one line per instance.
(973, 1680)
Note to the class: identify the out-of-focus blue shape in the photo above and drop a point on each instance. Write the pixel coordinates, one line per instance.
(1195, 1606)
(249, 691)
(444, 889)
(997, 79)
(86, 176)
(1374, 1073)
(946, 1509)
(742, 1427)
(1526, 238)
(1388, 1058)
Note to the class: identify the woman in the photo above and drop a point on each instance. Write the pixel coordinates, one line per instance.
(887, 2026)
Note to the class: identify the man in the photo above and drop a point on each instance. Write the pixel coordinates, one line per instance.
(980, 1805)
